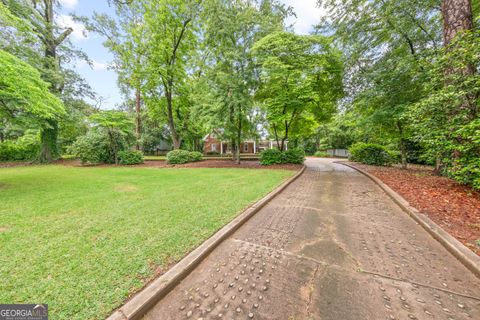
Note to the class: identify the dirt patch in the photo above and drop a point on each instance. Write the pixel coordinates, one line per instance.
(455, 207)
(125, 187)
(3, 229)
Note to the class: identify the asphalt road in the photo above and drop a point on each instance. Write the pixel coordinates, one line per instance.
(331, 246)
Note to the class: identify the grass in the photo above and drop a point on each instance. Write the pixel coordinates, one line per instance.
(84, 239)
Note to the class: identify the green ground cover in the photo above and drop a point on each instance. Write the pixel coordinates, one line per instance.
(84, 239)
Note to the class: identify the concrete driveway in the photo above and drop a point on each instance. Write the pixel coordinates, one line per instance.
(331, 246)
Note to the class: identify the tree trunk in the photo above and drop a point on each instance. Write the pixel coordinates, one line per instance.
(457, 17)
(171, 122)
(49, 134)
(138, 118)
(48, 138)
(239, 134)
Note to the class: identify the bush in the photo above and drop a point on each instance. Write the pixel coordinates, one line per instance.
(270, 156)
(295, 156)
(195, 156)
(26, 147)
(92, 148)
(321, 154)
(183, 156)
(275, 156)
(130, 157)
(370, 153)
(213, 153)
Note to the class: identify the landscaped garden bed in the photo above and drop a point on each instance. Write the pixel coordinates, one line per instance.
(84, 239)
(455, 207)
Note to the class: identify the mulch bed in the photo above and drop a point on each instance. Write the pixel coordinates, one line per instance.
(163, 164)
(455, 207)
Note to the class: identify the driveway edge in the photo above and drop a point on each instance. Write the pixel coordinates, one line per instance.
(147, 297)
(455, 247)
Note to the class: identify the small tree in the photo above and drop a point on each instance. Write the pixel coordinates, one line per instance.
(118, 128)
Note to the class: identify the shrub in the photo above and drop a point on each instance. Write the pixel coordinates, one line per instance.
(275, 156)
(270, 156)
(26, 147)
(321, 154)
(295, 156)
(195, 156)
(370, 153)
(130, 157)
(183, 156)
(92, 148)
(213, 153)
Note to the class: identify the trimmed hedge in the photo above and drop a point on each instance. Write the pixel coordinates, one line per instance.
(371, 153)
(130, 157)
(275, 156)
(183, 156)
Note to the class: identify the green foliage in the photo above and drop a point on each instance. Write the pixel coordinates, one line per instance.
(23, 94)
(92, 148)
(370, 153)
(24, 148)
(179, 156)
(294, 155)
(275, 156)
(446, 120)
(301, 81)
(321, 154)
(118, 129)
(271, 156)
(130, 157)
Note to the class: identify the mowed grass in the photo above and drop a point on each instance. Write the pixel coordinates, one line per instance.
(84, 239)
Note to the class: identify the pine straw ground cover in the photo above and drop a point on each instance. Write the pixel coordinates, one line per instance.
(83, 240)
(455, 207)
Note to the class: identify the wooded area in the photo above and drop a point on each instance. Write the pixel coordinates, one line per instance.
(401, 76)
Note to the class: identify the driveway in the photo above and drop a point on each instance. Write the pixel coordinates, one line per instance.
(331, 246)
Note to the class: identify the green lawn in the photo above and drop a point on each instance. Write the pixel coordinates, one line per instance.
(83, 239)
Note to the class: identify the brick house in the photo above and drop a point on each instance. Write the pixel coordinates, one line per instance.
(213, 144)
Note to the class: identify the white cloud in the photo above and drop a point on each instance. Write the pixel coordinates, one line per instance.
(79, 31)
(70, 4)
(96, 65)
(308, 14)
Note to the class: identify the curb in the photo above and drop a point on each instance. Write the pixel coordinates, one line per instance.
(455, 247)
(147, 297)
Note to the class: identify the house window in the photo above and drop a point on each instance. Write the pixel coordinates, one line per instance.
(245, 147)
(214, 147)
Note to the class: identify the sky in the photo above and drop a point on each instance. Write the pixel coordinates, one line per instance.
(102, 79)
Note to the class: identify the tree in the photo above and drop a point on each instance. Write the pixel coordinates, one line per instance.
(169, 35)
(231, 30)
(301, 82)
(24, 96)
(124, 38)
(43, 44)
(118, 127)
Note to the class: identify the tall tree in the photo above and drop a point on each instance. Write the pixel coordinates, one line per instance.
(301, 81)
(124, 38)
(50, 39)
(170, 37)
(231, 30)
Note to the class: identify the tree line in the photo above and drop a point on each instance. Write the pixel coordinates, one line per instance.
(403, 74)
(185, 68)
